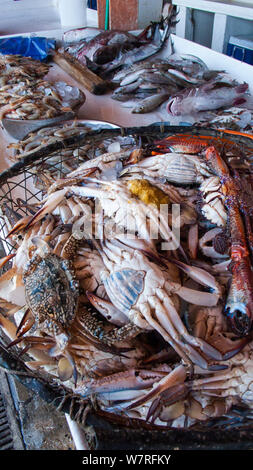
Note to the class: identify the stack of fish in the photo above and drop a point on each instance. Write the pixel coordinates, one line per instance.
(153, 82)
(187, 85)
(25, 95)
(144, 81)
(106, 51)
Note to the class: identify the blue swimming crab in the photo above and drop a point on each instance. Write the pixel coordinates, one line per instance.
(51, 291)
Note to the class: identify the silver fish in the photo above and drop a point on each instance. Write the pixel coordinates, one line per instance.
(150, 103)
(156, 77)
(127, 88)
(78, 34)
(132, 77)
(138, 95)
(180, 79)
(128, 70)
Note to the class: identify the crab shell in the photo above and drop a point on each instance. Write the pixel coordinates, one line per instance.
(51, 291)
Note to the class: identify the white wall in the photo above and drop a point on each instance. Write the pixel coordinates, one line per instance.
(149, 10)
(201, 31)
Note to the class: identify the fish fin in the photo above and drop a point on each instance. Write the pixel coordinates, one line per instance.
(239, 101)
(242, 88)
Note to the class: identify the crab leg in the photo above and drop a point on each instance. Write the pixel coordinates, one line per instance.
(169, 319)
(10, 330)
(169, 333)
(73, 178)
(199, 275)
(96, 328)
(177, 376)
(133, 379)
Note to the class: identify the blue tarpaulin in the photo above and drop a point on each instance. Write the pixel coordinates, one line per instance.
(35, 47)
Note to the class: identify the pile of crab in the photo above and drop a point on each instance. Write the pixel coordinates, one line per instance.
(131, 284)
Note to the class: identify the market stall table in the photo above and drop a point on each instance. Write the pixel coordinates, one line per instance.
(103, 108)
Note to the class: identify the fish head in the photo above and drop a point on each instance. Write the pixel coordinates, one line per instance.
(174, 106)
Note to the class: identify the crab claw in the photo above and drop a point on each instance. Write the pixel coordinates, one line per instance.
(50, 204)
(120, 385)
(4, 261)
(25, 324)
(134, 157)
(177, 376)
(107, 309)
(168, 397)
(208, 299)
(20, 225)
(199, 275)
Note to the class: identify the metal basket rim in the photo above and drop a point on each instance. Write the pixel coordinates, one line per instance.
(157, 128)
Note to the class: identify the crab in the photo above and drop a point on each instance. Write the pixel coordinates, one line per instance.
(148, 295)
(105, 164)
(119, 207)
(213, 207)
(51, 291)
(174, 167)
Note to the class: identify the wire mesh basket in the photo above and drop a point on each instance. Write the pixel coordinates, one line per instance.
(17, 192)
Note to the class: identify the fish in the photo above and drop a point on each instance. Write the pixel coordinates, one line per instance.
(138, 95)
(181, 78)
(113, 49)
(106, 46)
(139, 53)
(127, 88)
(194, 59)
(157, 77)
(186, 63)
(132, 77)
(157, 33)
(149, 104)
(212, 95)
(78, 34)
